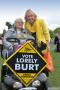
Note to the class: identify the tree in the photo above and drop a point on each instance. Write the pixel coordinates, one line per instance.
(51, 34)
(57, 30)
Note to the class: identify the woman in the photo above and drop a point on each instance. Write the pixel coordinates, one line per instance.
(17, 31)
(39, 30)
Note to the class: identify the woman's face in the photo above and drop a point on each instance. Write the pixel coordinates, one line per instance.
(19, 25)
(30, 18)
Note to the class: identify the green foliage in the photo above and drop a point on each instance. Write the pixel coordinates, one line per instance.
(51, 34)
(54, 77)
(57, 30)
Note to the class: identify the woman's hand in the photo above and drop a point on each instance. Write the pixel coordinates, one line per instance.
(48, 45)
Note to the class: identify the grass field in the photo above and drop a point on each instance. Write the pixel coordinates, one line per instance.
(54, 77)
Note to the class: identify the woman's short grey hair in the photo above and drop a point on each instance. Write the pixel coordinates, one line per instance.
(17, 20)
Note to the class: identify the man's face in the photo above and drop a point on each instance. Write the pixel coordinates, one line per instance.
(30, 18)
(19, 25)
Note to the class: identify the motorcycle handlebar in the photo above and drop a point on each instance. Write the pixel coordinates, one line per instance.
(13, 40)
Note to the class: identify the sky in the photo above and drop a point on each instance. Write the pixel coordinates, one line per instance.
(49, 10)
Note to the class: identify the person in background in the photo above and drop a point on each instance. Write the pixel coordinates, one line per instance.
(1, 46)
(37, 28)
(0, 86)
(56, 42)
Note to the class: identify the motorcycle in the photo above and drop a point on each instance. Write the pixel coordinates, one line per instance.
(7, 75)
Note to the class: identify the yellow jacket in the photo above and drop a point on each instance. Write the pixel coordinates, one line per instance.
(42, 33)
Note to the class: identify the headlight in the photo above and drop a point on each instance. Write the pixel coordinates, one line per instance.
(28, 88)
(17, 85)
(42, 77)
(36, 83)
